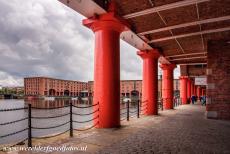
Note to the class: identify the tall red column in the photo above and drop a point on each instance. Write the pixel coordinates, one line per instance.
(183, 89)
(192, 87)
(189, 88)
(195, 90)
(167, 85)
(198, 92)
(107, 29)
(150, 80)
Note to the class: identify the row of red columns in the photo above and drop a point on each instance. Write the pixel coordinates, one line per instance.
(107, 28)
(188, 88)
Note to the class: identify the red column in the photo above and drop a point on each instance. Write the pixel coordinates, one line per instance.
(107, 28)
(167, 85)
(150, 80)
(188, 88)
(183, 89)
(192, 87)
(198, 92)
(203, 92)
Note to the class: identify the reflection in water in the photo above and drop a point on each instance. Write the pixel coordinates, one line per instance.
(53, 103)
(47, 112)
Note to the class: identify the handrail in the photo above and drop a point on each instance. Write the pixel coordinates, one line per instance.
(53, 108)
(86, 120)
(14, 109)
(82, 107)
(13, 133)
(51, 126)
(7, 123)
(83, 114)
(87, 128)
(49, 117)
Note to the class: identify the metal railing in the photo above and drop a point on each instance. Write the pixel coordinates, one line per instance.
(139, 109)
(131, 112)
(127, 111)
(30, 127)
(142, 107)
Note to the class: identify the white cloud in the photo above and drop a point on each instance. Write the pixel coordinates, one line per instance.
(46, 38)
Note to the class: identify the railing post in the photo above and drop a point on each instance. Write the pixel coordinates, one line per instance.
(174, 105)
(138, 109)
(128, 110)
(29, 127)
(71, 120)
(162, 104)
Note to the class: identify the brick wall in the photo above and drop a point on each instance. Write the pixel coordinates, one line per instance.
(197, 70)
(218, 78)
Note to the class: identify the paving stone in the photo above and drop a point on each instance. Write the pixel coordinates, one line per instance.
(184, 130)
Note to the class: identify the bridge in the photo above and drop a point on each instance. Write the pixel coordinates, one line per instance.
(193, 34)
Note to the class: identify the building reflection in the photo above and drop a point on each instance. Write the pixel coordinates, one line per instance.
(36, 103)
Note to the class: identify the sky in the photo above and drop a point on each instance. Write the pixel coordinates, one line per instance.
(46, 38)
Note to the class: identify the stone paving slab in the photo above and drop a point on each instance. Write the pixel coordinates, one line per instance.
(183, 130)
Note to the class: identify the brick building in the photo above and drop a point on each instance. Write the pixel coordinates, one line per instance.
(44, 86)
(130, 88)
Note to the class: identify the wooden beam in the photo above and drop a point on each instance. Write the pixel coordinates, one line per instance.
(190, 34)
(164, 7)
(190, 54)
(192, 64)
(186, 25)
(188, 58)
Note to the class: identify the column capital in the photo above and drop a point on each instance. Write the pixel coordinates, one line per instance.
(153, 53)
(167, 66)
(109, 21)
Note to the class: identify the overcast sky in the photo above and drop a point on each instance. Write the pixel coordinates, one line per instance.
(45, 38)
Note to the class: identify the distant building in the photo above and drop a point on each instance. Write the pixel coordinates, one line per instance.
(132, 88)
(12, 90)
(45, 86)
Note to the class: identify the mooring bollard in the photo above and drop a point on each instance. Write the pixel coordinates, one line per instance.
(128, 110)
(138, 109)
(29, 126)
(71, 120)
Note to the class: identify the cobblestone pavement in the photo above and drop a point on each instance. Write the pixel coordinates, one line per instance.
(183, 130)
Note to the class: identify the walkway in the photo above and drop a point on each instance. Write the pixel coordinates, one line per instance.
(183, 130)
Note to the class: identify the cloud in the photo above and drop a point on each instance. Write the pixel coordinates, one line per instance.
(46, 38)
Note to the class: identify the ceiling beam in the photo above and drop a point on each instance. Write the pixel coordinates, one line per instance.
(189, 54)
(164, 7)
(186, 25)
(192, 64)
(190, 34)
(188, 58)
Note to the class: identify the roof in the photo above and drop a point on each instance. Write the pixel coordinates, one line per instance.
(179, 28)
